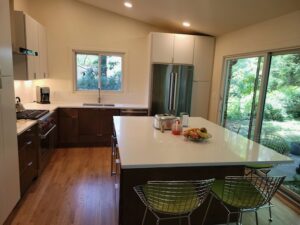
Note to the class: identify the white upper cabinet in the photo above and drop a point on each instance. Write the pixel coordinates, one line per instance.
(43, 72)
(183, 49)
(203, 58)
(6, 67)
(162, 47)
(172, 48)
(31, 29)
(31, 35)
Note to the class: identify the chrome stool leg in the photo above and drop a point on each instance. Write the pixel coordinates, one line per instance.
(144, 217)
(270, 212)
(256, 217)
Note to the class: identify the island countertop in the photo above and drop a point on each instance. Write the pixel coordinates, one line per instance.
(142, 146)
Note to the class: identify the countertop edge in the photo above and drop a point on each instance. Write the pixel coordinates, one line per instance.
(149, 166)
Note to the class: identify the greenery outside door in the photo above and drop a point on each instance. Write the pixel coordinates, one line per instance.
(262, 100)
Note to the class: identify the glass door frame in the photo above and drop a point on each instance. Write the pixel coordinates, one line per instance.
(225, 88)
(267, 55)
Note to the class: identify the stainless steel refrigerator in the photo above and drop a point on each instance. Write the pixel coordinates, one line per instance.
(171, 89)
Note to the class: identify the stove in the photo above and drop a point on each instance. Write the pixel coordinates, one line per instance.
(31, 114)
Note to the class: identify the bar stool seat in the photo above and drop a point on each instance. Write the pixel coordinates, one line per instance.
(173, 199)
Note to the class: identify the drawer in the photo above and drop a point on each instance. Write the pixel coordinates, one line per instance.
(28, 175)
(30, 135)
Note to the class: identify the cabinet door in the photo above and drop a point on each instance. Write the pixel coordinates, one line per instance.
(43, 58)
(162, 47)
(9, 151)
(106, 124)
(6, 67)
(200, 99)
(183, 49)
(203, 58)
(89, 123)
(32, 44)
(68, 126)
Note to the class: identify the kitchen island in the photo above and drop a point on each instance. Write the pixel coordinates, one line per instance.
(147, 154)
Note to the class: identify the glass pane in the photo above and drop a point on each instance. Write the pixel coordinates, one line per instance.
(281, 119)
(87, 67)
(111, 73)
(240, 105)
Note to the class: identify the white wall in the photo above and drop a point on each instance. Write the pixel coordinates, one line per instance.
(282, 32)
(74, 25)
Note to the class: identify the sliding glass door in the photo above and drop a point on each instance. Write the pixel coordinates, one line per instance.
(262, 102)
(242, 91)
(281, 114)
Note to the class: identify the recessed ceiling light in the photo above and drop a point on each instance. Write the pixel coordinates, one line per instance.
(186, 24)
(128, 4)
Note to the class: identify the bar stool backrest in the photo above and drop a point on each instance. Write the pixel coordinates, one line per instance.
(250, 192)
(176, 197)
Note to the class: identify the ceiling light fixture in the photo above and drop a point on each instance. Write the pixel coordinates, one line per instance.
(128, 4)
(186, 24)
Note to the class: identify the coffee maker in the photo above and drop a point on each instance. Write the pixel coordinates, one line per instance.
(43, 95)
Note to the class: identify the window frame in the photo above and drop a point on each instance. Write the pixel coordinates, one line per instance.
(99, 54)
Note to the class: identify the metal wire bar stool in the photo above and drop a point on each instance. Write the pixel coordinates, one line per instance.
(239, 194)
(276, 143)
(173, 199)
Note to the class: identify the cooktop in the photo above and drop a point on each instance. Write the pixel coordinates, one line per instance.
(31, 114)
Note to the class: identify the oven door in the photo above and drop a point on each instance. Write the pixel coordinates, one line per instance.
(47, 146)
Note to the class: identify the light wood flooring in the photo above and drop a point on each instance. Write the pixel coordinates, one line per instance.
(76, 189)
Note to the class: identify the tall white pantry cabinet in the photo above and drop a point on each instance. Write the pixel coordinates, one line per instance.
(9, 168)
(168, 48)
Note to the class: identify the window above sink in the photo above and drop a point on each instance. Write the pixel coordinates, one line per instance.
(98, 70)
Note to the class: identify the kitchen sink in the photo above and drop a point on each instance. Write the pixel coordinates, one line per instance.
(98, 104)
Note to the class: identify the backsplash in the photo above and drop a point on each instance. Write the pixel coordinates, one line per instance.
(26, 90)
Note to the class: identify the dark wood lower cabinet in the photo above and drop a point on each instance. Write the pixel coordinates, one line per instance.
(86, 126)
(28, 147)
(68, 126)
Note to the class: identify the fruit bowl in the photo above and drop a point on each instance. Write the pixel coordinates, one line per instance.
(197, 134)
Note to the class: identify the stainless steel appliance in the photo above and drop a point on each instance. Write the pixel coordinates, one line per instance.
(171, 89)
(31, 114)
(48, 137)
(43, 95)
(163, 121)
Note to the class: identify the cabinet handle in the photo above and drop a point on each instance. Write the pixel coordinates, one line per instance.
(117, 161)
(28, 142)
(0, 81)
(99, 135)
(34, 75)
(29, 164)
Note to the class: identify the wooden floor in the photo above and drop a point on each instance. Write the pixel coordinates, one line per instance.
(76, 189)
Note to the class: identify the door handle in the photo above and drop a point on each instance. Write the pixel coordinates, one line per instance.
(0, 81)
(171, 91)
(175, 91)
(29, 164)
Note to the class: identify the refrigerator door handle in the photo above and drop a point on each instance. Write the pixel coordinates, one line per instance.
(171, 90)
(175, 91)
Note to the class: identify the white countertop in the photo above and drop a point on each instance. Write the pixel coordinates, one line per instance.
(55, 105)
(142, 146)
(23, 125)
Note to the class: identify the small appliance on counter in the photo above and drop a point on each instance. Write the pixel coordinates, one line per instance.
(43, 95)
(163, 121)
(19, 105)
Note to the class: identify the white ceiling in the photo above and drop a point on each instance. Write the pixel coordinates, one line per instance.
(214, 17)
